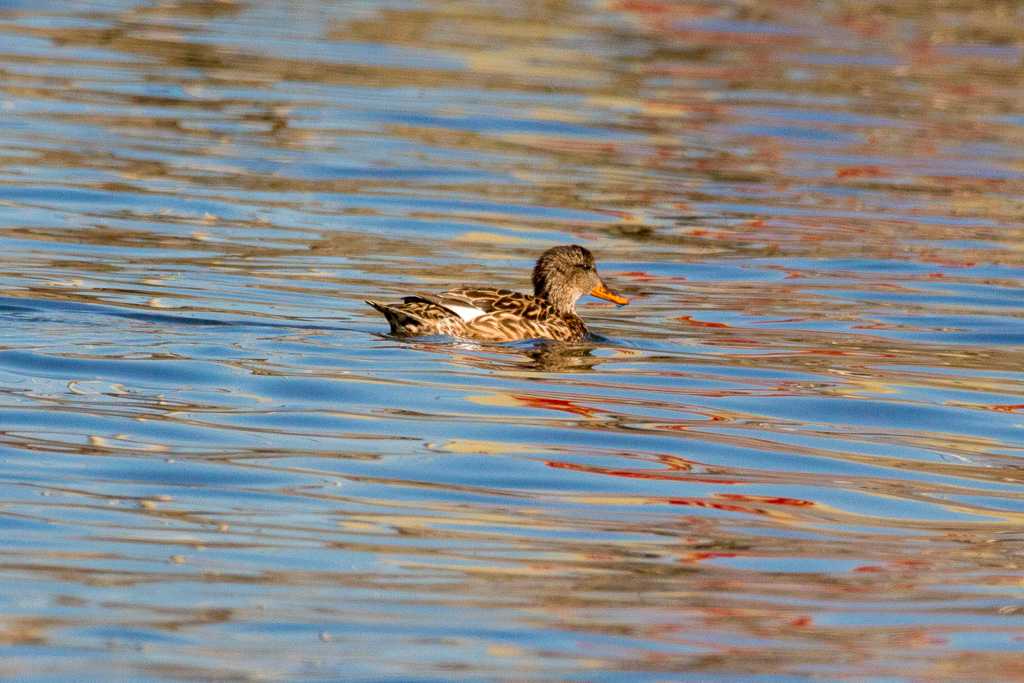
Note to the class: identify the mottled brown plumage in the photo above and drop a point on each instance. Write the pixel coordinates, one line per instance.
(562, 275)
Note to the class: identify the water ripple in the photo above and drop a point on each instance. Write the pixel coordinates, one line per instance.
(797, 452)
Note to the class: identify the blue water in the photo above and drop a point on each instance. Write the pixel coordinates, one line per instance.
(798, 453)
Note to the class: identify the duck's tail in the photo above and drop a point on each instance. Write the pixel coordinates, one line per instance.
(402, 322)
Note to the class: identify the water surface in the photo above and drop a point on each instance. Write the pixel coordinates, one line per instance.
(797, 454)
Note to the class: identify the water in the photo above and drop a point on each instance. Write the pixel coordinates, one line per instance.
(797, 454)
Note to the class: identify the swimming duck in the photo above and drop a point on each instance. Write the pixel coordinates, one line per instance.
(562, 275)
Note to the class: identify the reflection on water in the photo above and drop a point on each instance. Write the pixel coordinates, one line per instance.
(797, 453)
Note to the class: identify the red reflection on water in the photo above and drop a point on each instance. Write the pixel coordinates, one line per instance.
(725, 507)
(644, 276)
(637, 275)
(770, 500)
(592, 469)
(688, 319)
(860, 172)
(1012, 408)
(825, 352)
(643, 7)
(698, 556)
(560, 404)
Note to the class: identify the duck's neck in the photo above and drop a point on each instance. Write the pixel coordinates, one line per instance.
(562, 300)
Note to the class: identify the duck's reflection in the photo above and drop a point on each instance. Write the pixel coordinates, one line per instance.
(560, 357)
(543, 355)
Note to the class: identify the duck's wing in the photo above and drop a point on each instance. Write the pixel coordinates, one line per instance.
(473, 302)
(475, 312)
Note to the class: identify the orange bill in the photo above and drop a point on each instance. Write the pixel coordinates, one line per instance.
(602, 292)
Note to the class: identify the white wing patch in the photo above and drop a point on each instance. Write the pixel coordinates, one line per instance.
(467, 313)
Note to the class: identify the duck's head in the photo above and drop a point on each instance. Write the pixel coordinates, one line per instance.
(564, 274)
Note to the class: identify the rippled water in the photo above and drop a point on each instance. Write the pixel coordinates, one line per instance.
(797, 453)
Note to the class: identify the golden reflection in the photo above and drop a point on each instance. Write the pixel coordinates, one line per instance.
(26, 630)
(482, 446)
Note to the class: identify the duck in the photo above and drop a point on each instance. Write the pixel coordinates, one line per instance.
(560, 277)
